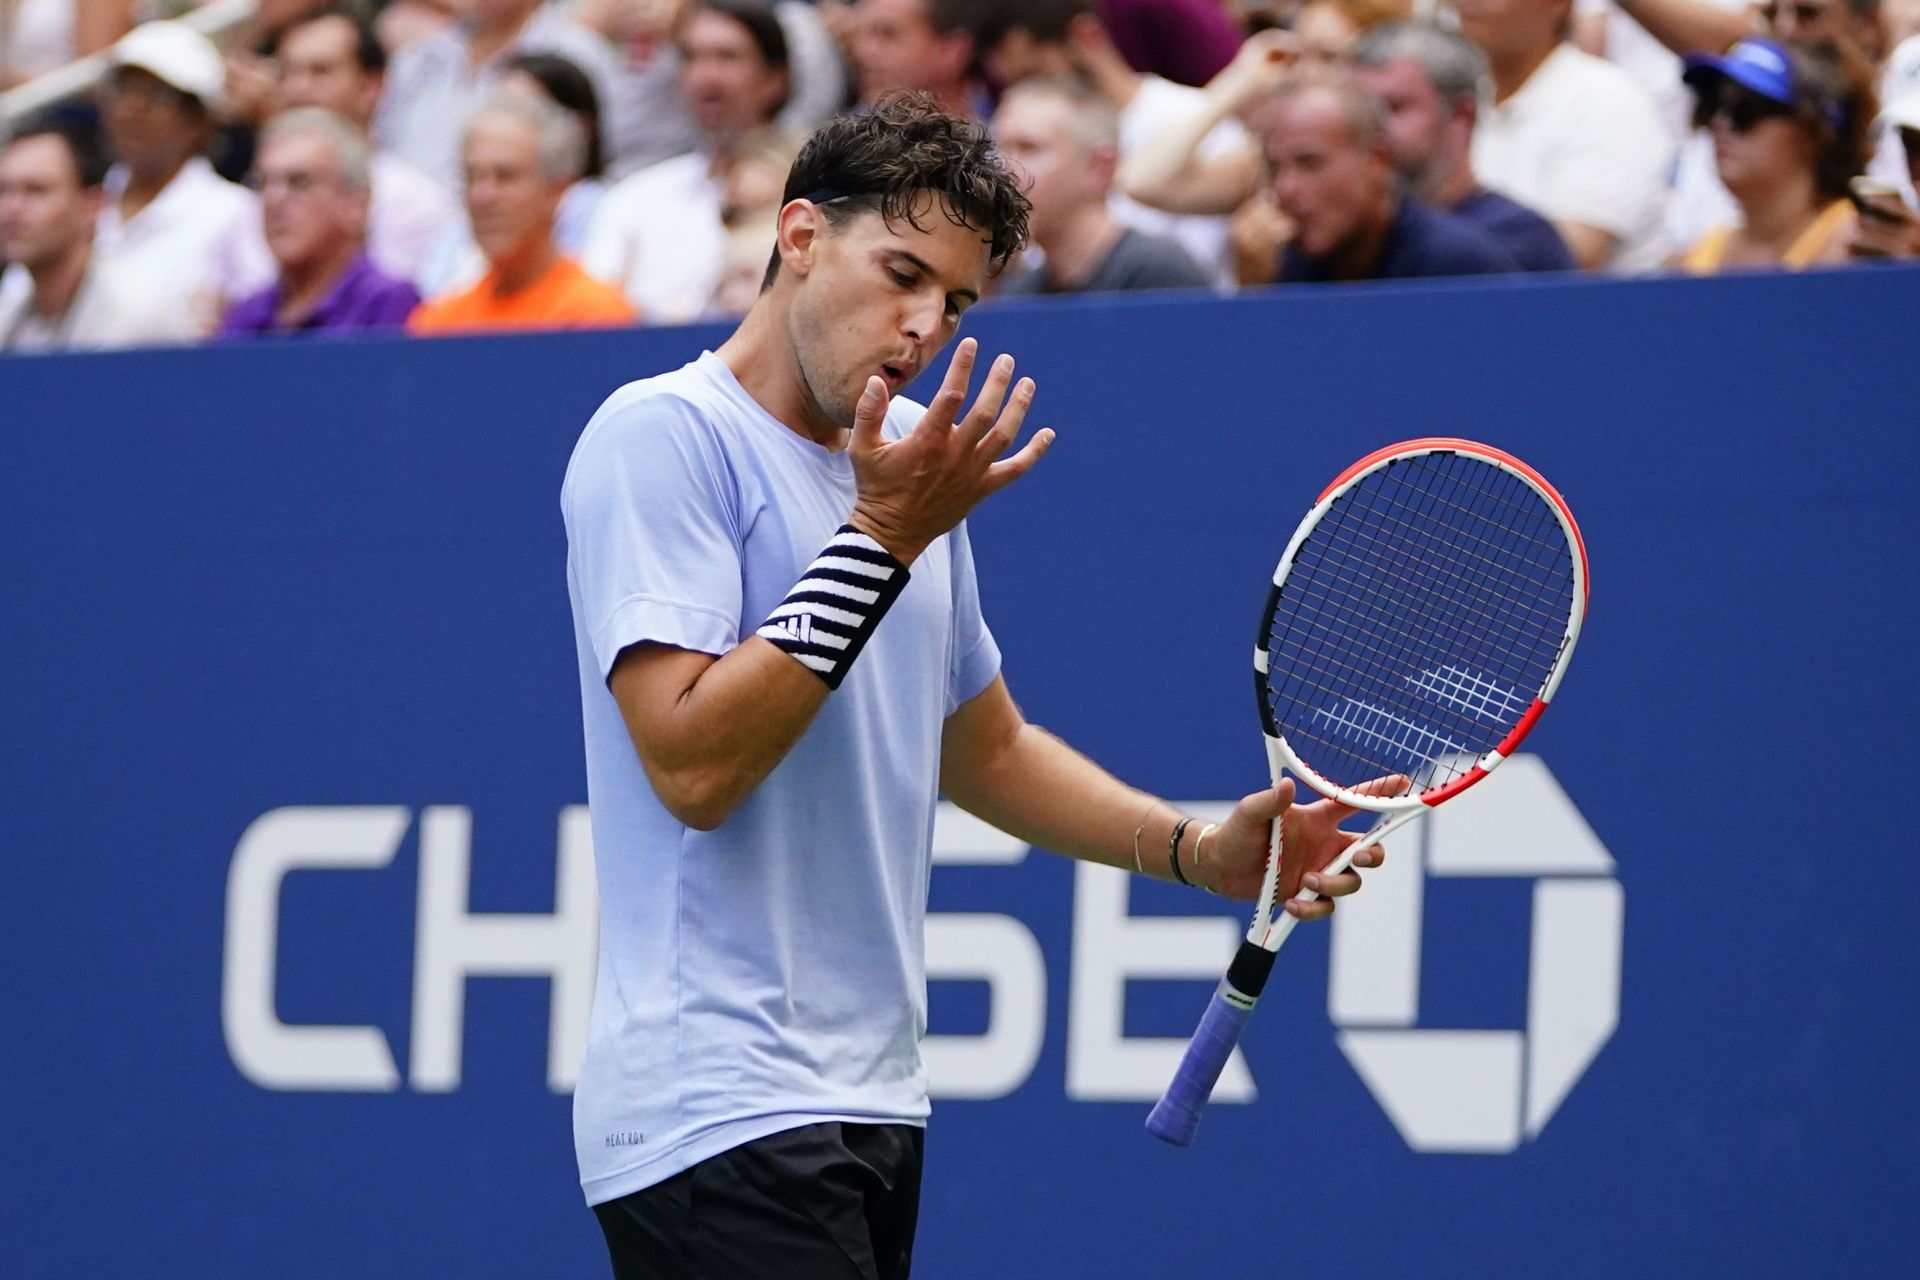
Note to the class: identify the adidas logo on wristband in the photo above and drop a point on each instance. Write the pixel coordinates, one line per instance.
(826, 619)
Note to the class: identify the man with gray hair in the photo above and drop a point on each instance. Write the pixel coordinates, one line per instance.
(520, 154)
(1430, 81)
(312, 174)
(1061, 139)
(1333, 175)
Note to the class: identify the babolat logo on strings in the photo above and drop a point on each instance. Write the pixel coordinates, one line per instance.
(1470, 692)
(1379, 730)
(1455, 688)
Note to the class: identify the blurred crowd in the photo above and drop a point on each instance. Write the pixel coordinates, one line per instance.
(447, 166)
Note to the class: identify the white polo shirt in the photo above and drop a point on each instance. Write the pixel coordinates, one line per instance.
(433, 87)
(198, 242)
(1580, 142)
(658, 235)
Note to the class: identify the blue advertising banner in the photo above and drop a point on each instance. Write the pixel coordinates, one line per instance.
(298, 922)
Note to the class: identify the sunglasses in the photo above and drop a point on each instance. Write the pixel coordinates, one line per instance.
(1740, 106)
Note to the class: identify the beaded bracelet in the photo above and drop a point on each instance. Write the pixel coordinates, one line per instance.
(1173, 850)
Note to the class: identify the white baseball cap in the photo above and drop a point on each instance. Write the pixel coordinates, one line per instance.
(176, 54)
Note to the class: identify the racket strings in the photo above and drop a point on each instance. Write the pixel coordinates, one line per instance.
(1423, 522)
(1411, 603)
(1418, 622)
(1485, 577)
(1414, 605)
(1501, 560)
(1487, 666)
(1500, 584)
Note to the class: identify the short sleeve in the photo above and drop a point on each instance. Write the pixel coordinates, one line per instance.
(976, 658)
(653, 530)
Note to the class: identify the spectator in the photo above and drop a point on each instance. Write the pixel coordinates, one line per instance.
(1569, 135)
(1430, 82)
(659, 234)
(1689, 27)
(750, 212)
(1186, 41)
(1327, 29)
(1180, 168)
(817, 64)
(522, 153)
(1060, 137)
(329, 57)
(1333, 176)
(641, 35)
(819, 89)
(171, 227)
(59, 296)
(920, 45)
(1789, 133)
(550, 76)
(456, 261)
(435, 83)
(1886, 227)
(314, 176)
(1022, 38)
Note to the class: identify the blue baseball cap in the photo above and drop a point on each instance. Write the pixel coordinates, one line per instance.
(1760, 65)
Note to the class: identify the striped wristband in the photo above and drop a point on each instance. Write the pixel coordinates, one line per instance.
(825, 620)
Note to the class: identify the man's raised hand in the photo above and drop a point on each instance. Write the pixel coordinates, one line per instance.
(914, 489)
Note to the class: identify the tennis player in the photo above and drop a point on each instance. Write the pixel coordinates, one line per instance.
(783, 661)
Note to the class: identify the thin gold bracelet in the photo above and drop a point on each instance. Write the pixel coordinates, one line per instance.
(1198, 845)
(1137, 868)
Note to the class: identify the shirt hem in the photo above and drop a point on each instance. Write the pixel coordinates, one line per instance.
(709, 1143)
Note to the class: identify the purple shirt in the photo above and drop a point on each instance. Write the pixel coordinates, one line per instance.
(1184, 40)
(361, 298)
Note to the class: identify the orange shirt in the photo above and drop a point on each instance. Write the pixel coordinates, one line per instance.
(563, 297)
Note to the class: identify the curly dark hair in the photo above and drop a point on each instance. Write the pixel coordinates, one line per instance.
(904, 149)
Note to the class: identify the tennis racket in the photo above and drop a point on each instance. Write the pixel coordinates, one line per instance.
(1419, 623)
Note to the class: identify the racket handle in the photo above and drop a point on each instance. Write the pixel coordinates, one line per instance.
(1176, 1117)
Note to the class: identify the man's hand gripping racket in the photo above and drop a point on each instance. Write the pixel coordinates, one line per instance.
(1419, 622)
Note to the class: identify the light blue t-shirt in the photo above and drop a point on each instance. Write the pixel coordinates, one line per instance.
(770, 973)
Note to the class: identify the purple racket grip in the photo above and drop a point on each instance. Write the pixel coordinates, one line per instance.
(1177, 1115)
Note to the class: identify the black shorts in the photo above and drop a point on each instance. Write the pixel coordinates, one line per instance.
(827, 1201)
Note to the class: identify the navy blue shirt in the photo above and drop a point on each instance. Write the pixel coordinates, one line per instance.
(1422, 242)
(1528, 237)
